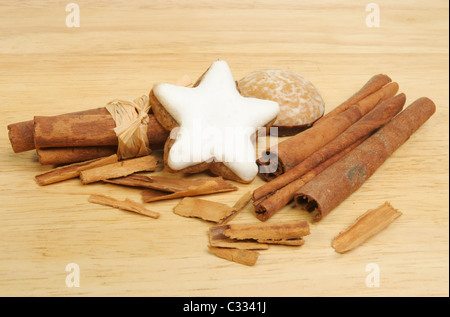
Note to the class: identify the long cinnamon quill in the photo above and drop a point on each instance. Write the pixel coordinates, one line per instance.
(374, 84)
(274, 195)
(86, 130)
(336, 183)
(21, 134)
(380, 115)
(268, 205)
(289, 153)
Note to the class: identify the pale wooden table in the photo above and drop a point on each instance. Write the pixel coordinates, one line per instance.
(121, 49)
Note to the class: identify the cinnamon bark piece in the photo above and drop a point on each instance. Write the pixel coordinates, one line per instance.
(217, 238)
(86, 130)
(210, 210)
(163, 188)
(374, 84)
(278, 233)
(246, 257)
(331, 187)
(203, 209)
(287, 154)
(21, 134)
(119, 169)
(237, 207)
(365, 226)
(73, 170)
(127, 205)
(68, 155)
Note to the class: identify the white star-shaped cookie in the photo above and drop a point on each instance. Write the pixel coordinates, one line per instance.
(216, 123)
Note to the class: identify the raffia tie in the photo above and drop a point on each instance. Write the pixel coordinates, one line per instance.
(131, 119)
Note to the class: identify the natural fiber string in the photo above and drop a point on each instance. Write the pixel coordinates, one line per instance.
(131, 119)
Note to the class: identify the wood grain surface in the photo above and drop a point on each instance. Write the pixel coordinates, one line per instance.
(121, 49)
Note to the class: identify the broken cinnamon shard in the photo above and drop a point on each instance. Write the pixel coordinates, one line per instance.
(163, 188)
(73, 170)
(204, 209)
(278, 233)
(127, 205)
(237, 208)
(217, 238)
(119, 169)
(245, 257)
(365, 226)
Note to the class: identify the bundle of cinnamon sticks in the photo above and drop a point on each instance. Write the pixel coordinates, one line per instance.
(75, 137)
(326, 163)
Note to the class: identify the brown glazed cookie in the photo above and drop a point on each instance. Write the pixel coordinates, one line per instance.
(300, 102)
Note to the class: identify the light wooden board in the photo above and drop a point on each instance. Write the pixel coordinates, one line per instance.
(121, 49)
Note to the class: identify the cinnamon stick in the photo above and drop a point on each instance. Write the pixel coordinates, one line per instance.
(127, 205)
(267, 206)
(289, 153)
(67, 155)
(86, 130)
(71, 171)
(365, 226)
(275, 194)
(21, 134)
(374, 84)
(119, 169)
(331, 187)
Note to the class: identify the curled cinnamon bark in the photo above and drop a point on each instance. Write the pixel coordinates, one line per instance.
(274, 195)
(163, 188)
(267, 206)
(380, 115)
(374, 84)
(119, 169)
(72, 170)
(21, 134)
(336, 183)
(86, 130)
(67, 155)
(294, 150)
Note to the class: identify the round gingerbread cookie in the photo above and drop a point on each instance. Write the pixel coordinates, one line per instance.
(299, 100)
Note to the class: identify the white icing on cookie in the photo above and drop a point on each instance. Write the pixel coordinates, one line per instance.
(216, 122)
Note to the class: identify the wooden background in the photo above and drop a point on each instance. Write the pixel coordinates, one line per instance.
(121, 49)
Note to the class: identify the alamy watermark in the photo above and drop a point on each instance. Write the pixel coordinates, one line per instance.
(373, 278)
(224, 144)
(73, 18)
(373, 18)
(73, 278)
